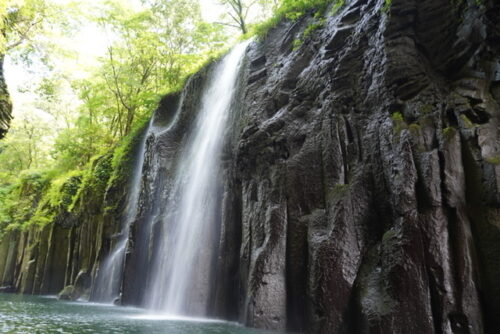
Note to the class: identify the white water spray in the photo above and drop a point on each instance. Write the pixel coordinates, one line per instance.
(110, 273)
(182, 280)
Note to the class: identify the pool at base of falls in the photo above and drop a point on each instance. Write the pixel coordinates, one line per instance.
(22, 314)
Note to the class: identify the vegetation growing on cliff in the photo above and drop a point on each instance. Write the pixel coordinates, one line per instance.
(295, 9)
(77, 134)
(60, 147)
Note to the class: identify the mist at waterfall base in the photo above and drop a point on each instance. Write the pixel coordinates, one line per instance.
(24, 314)
(183, 272)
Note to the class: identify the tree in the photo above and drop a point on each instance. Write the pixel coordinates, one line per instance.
(152, 50)
(26, 145)
(243, 13)
(238, 12)
(70, 119)
(55, 96)
(155, 50)
(21, 22)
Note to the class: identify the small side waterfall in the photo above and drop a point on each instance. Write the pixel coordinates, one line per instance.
(109, 277)
(183, 276)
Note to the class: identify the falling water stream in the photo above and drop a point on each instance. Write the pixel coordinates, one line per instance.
(109, 277)
(182, 280)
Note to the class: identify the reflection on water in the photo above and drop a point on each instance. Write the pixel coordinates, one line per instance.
(40, 315)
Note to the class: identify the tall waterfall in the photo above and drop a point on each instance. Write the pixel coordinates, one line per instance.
(109, 277)
(181, 283)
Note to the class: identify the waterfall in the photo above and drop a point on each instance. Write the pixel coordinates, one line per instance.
(109, 277)
(183, 276)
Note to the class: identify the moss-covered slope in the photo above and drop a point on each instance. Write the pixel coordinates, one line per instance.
(58, 229)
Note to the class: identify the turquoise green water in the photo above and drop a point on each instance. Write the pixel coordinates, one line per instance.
(40, 315)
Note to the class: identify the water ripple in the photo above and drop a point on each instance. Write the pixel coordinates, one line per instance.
(45, 315)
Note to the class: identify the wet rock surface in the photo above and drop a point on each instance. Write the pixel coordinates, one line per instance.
(66, 252)
(365, 173)
(360, 182)
(360, 188)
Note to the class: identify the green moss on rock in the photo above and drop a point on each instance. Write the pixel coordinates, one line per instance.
(494, 160)
(426, 109)
(449, 132)
(398, 122)
(124, 155)
(467, 122)
(69, 293)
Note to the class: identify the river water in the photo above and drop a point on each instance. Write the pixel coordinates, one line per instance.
(40, 315)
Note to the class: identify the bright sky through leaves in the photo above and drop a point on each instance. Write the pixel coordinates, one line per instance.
(89, 44)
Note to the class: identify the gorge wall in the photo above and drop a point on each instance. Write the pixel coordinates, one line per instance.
(360, 180)
(5, 104)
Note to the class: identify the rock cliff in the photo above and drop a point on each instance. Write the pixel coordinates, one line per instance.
(361, 175)
(65, 247)
(5, 104)
(360, 188)
(367, 175)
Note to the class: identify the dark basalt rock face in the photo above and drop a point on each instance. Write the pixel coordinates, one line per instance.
(5, 104)
(360, 181)
(361, 175)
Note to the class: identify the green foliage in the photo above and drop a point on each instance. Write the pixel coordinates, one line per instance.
(237, 10)
(94, 181)
(426, 109)
(297, 43)
(414, 128)
(39, 198)
(295, 9)
(494, 160)
(123, 155)
(27, 26)
(21, 149)
(18, 20)
(263, 28)
(398, 122)
(86, 141)
(56, 198)
(311, 28)
(62, 190)
(397, 117)
(387, 6)
(449, 132)
(336, 6)
(154, 48)
(467, 122)
(19, 200)
(75, 146)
